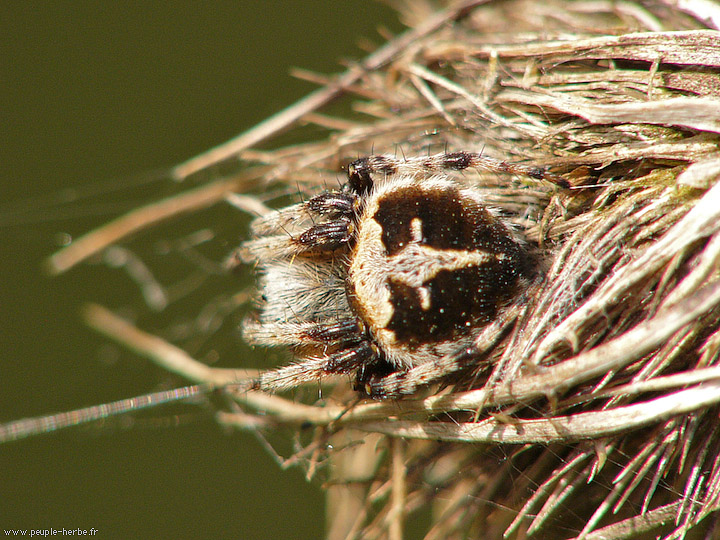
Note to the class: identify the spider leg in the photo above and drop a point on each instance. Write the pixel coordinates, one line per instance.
(399, 383)
(298, 217)
(342, 332)
(344, 203)
(351, 349)
(324, 237)
(360, 171)
(327, 236)
(288, 220)
(463, 160)
(370, 373)
(322, 224)
(313, 368)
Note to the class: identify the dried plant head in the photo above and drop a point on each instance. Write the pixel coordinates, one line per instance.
(591, 411)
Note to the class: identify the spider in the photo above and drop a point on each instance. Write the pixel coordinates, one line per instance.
(393, 278)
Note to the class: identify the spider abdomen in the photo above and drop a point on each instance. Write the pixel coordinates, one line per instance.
(429, 264)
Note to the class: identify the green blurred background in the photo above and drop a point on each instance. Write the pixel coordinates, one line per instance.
(94, 94)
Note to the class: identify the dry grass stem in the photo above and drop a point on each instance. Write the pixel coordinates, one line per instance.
(141, 218)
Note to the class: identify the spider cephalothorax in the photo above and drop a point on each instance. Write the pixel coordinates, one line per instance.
(390, 278)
